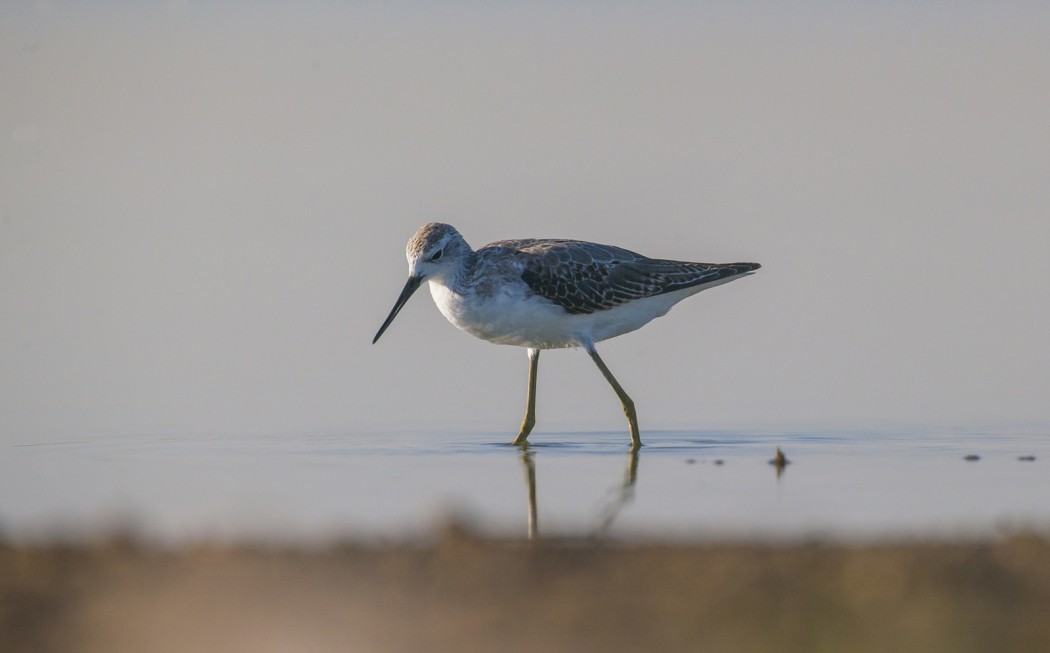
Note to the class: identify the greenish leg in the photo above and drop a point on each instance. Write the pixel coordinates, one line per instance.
(625, 401)
(530, 405)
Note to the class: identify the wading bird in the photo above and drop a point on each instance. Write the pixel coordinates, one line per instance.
(551, 294)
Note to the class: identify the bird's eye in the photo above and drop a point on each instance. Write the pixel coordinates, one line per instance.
(437, 255)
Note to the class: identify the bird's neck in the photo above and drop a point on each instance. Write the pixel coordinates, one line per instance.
(457, 279)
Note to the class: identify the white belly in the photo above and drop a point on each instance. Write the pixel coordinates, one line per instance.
(510, 317)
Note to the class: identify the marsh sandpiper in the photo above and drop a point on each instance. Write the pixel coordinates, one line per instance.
(551, 294)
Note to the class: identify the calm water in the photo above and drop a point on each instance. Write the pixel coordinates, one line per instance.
(397, 485)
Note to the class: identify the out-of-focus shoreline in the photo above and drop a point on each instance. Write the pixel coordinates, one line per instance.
(460, 592)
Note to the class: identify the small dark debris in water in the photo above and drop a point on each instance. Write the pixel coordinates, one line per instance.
(779, 460)
(690, 461)
(719, 461)
(1026, 459)
(971, 458)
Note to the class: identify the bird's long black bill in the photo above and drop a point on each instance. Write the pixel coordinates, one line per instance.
(410, 287)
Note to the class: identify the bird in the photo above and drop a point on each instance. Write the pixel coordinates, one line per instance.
(548, 293)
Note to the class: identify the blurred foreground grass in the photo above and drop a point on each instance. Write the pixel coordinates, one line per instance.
(462, 593)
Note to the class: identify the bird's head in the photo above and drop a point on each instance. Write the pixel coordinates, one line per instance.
(432, 252)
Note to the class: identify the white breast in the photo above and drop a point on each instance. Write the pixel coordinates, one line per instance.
(506, 317)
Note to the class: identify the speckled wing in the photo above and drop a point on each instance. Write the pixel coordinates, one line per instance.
(584, 277)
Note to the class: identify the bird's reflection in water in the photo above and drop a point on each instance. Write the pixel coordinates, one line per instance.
(620, 496)
(528, 458)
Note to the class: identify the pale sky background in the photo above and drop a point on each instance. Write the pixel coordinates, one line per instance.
(203, 212)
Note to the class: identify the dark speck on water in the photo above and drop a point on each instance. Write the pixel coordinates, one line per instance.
(971, 458)
(779, 460)
(1026, 459)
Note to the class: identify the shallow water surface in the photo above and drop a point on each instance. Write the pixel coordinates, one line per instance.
(682, 484)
